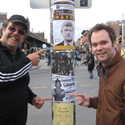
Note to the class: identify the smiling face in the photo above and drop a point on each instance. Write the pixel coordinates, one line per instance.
(13, 35)
(102, 46)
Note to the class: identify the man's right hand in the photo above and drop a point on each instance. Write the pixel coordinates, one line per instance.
(82, 99)
(34, 57)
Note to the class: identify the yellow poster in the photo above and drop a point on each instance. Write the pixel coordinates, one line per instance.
(63, 113)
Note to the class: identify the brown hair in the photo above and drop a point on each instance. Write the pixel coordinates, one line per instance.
(107, 28)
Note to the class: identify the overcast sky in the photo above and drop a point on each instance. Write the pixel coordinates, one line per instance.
(101, 11)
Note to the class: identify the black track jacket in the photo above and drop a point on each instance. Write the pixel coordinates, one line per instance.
(14, 80)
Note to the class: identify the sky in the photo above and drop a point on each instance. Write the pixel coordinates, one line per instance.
(100, 12)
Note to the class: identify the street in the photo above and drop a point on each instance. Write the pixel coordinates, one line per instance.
(41, 85)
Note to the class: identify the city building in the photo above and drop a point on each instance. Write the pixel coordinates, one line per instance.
(3, 17)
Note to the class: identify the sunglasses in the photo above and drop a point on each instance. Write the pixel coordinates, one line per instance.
(13, 29)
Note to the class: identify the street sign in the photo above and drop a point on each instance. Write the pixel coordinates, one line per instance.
(41, 4)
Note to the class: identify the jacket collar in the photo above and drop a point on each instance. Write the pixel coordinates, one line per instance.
(105, 70)
(4, 48)
(116, 59)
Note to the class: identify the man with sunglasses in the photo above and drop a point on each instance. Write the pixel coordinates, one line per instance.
(14, 73)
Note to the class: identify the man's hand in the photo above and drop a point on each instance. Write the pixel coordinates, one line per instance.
(82, 99)
(34, 57)
(38, 102)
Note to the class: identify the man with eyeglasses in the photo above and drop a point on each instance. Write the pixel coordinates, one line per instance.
(14, 73)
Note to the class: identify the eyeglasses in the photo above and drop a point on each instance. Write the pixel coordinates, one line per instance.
(13, 29)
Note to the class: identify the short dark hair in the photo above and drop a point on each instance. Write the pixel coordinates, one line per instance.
(105, 27)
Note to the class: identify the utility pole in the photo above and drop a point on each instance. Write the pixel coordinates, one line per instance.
(63, 80)
(62, 66)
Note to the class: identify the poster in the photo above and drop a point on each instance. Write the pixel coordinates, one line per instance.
(63, 24)
(62, 87)
(63, 114)
(64, 34)
(63, 81)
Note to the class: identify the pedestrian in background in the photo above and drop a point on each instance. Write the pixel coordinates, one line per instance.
(91, 64)
(15, 92)
(48, 55)
(110, 102)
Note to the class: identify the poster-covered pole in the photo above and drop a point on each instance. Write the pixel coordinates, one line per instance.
(62, 39)
(63, 78)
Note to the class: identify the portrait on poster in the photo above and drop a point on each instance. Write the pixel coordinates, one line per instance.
(58, 91)
(62, 86)
(64, 34)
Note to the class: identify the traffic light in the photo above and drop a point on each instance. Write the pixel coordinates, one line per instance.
(39, 4)
(83, 3)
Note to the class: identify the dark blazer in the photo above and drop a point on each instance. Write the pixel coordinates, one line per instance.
(62, 43)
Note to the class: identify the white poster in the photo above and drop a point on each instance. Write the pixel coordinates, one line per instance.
(63, 32)
(62, 86)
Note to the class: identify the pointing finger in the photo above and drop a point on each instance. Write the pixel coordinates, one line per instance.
(76, 95)
(39, 51)
(46, 99)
